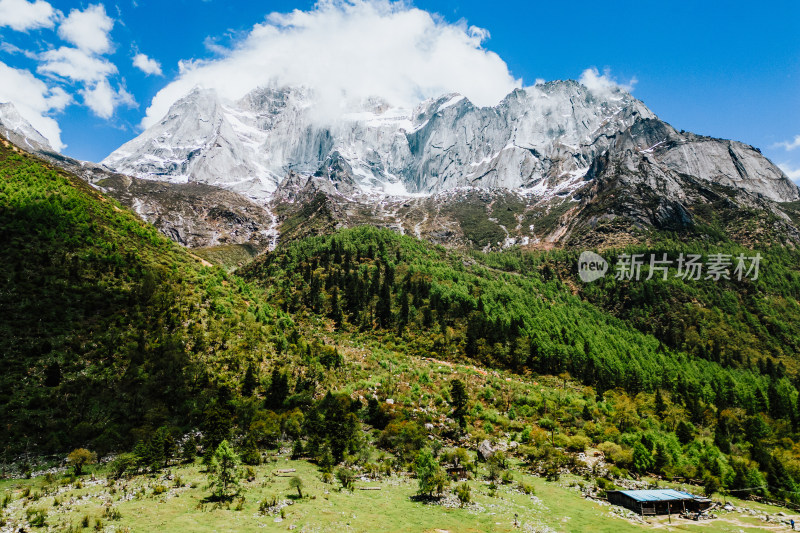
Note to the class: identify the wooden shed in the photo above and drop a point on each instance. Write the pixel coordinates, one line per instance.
(660, 501)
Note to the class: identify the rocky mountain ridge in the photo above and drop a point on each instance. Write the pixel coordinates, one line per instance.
(542, 168)
(19, 131)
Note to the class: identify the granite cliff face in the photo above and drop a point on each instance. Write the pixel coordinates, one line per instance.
(546, 166)
(542, 139)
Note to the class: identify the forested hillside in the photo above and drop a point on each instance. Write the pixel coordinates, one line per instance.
(364, 347)
(107, 329)
(709, 361)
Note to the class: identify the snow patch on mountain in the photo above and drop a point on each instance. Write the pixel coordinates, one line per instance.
(19, 131)
(541, 140)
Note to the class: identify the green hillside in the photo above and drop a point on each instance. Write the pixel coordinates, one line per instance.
(524, 313)
(108, 329)
(364, 352)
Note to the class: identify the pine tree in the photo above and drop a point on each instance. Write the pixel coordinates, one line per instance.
(278, 390)
(405, 311)
(224, 477)
(459, 399)
(684, 432)
(662, 458)
(427, 470)
(383, 310)
(642, 459)
(660, 405)
(315, 293)
(250, 381)
(336, 309)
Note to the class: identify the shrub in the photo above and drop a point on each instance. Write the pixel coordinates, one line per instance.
(112, 513)
(464, 494)
(267, 504)
(561, 440)
(526, 488)
(346, 477)
(123, 464)
(604, 484)
(578, 443)
(239, 503)
(36, 517)
(79, 458)
(622, 457)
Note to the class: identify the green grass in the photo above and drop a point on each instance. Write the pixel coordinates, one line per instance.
(229, 256)
(324, 507)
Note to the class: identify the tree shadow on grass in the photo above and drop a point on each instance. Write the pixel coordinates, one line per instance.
(426, 498)
(219, 500)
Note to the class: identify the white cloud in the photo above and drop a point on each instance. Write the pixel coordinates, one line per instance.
(34, 100)
(21, 15)
(76, 65)
(357, 48)
(147, 65)
(789, 145)
(88, 29)
(792, 172)
(604, 83)
(85, 63)
(102, 99)
(12, 49)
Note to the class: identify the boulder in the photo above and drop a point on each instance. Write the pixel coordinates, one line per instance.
(485, 450)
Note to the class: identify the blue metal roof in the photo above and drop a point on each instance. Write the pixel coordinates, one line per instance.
(660, 495)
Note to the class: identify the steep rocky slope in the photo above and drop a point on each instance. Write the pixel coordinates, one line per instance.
(546, 166)
(192, 214)
(537, 169)
(19, 131)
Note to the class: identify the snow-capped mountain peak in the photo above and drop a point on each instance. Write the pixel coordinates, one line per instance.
(19, 131)
(542, 139)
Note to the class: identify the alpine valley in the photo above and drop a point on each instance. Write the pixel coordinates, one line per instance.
(360, 294)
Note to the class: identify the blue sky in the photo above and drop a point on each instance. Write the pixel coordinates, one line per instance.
(725, 69)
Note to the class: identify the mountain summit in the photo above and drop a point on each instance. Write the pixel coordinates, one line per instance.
(547, 163)
(19, 131)
(541, 140)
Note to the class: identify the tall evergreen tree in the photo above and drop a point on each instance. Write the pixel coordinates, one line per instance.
(458, 400)
(660, 405)
(278, 390)
(250, 381)
(336, 309)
